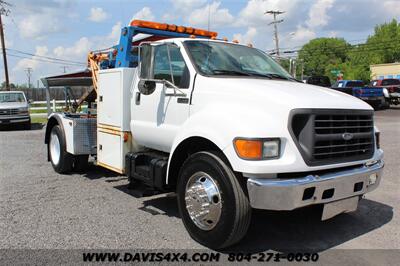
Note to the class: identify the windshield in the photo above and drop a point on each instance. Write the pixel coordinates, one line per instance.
(354, 84)
(218, 58)
(7, 97)
(388, 82)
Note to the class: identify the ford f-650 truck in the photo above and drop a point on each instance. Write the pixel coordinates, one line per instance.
(222, 125)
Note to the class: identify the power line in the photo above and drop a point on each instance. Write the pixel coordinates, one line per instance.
(300, 46)
(46, 57)
(349, 48)
(275, 13)
(45, 61)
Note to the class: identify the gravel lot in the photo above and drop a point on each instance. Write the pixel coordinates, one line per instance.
(40, 209)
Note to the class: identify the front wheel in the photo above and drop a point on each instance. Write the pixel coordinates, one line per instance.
(213, 205)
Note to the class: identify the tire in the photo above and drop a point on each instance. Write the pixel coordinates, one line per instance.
(235, 211)
(60, 159)
(81, 163)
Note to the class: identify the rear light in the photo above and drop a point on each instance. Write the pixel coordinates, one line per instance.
(392, 90)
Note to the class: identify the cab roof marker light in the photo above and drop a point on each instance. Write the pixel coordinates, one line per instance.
(173, 28)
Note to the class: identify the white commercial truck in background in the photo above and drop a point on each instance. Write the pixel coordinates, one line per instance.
(222, 125)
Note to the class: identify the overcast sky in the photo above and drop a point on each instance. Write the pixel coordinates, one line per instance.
(69, 29)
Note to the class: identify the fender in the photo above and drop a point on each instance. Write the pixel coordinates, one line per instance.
(51, 124)
(53, 119)
(222, 123)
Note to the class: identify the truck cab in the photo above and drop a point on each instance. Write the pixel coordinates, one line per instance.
(222, 125)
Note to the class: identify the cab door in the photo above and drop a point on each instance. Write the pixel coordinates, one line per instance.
(157, 117)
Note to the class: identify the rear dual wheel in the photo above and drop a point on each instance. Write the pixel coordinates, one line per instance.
(213, 205)
(62, 161)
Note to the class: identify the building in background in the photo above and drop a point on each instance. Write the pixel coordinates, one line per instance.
(385, 71)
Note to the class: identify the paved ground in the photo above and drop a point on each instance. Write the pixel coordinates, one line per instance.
(41, 209)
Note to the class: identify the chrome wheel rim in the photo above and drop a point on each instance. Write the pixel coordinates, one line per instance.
(55, 150)
(203, 201)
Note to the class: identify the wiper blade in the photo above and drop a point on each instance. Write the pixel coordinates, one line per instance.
(270, 75)
(229, 72)
(279, 76)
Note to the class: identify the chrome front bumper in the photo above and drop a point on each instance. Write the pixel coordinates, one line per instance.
(14, 119)
(289, 194)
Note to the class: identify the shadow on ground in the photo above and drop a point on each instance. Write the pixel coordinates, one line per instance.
(9, 127)
(303, 230)
(282, 231)
(299, 230)
(94, 172)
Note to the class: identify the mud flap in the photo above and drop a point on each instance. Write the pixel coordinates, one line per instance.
(337, 207)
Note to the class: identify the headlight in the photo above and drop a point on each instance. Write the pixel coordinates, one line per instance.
(257, 149)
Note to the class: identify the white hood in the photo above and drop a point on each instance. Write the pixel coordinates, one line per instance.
(277, 93)
(13, 105)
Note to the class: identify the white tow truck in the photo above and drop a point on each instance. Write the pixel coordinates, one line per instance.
(223, 126)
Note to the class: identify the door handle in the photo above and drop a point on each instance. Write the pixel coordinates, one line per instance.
(183, 100)
(137, 98)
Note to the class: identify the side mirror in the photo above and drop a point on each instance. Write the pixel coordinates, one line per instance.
(147, 87)
(145, 64)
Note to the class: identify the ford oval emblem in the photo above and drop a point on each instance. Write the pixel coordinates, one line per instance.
(347, 136)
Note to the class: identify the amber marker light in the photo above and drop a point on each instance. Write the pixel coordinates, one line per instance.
(257, 149)
(248, 149)
(174, 28)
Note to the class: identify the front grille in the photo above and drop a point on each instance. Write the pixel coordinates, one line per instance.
(13, 111)
(333, 136)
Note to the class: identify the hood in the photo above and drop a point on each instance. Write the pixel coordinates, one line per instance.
(277, 93)
(13, 105)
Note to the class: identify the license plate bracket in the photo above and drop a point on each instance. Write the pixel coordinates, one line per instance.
(337, 207)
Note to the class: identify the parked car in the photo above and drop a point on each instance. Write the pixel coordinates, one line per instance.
(391, 89)
(322, 81)
(14, 109)
(372, 95)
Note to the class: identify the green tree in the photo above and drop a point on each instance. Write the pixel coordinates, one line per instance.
(323, 55)
(384, 45)
(3, 85)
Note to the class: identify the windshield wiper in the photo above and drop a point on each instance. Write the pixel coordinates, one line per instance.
(279, 76)
(269, 75)
(229, 72)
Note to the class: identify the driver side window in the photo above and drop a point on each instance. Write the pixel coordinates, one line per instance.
(163, 66)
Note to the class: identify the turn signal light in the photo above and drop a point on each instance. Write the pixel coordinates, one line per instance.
(249, 149)
(257, 149)
(173, 28)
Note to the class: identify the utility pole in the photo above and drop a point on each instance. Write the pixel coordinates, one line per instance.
(64, 68)
(275, 13)
(29, 75)
(4, 11)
